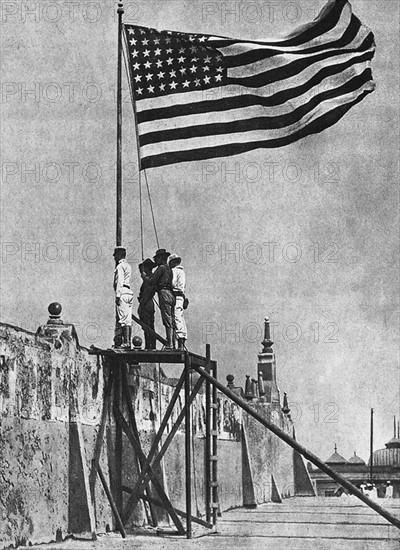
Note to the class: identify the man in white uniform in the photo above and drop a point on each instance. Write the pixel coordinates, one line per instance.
(389, 490)
(123, 299)
(178, 288)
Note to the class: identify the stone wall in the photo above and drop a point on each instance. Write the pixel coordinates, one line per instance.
(47, 382)
(38, 376)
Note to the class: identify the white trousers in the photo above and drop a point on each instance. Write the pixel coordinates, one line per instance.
(124, 309)
(180, 323)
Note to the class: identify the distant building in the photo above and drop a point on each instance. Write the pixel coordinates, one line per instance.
(385, 467)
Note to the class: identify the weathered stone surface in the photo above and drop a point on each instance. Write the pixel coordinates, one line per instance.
(38, 379)
(327, 524)
(50, 387)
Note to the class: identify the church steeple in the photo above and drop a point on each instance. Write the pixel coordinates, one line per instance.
(267, 367)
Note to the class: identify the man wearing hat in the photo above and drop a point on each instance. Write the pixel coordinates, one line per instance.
(146, 304)
(123, 299)
(161, 279)
(178, 288)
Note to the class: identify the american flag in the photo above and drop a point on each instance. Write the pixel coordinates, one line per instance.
(199, 96)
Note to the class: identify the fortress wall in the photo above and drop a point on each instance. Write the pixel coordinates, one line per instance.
(47, 382)
(39, 377)
(269, 456)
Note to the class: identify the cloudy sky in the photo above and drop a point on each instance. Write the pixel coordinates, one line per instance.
(306, 234)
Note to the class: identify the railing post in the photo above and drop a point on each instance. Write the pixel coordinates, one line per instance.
(117, 365)
(214, 450)
(207, 450)
(187, 449)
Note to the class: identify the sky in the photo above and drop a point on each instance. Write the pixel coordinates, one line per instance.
(307, 234)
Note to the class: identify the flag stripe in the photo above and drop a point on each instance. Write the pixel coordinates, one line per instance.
(241, 106)
(320, 27)
(240, 52)
(318, 30)
(241, 99)
(251, 135)
(284, 72)
(254, 122)
(199, 96)
(251, 57)
(316, 126)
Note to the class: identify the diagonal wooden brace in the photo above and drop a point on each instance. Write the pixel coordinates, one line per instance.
(157, 439)
(111, 501)
(144, 477)
(149, 330)
(179, 512)
(157, 485)
(299, 448)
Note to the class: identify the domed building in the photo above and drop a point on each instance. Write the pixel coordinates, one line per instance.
(356, 460)
(385, 467)
(390, 456)
(336, 459)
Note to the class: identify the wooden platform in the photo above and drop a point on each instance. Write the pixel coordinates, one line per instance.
(135, 355)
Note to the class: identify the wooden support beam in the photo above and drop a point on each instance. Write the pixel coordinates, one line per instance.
(156, 483)
(181, 513)
(207, 450)
(144, 477)
(139, 456)
(118, 439)
(149, 330)
(214, 448)
(154, 447)
(188, 458)
(135, 355)
(302, 450)
(111, 501)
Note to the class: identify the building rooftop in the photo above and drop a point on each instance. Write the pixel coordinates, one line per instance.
(394, 443)
(336, 458)
(356, 459)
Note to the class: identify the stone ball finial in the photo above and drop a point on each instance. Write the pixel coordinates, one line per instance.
(230, 378)
(137, 342)
(55, 309)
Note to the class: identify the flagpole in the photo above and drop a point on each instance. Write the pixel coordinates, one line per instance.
(120, 12)
(135, 117)
(371, 446)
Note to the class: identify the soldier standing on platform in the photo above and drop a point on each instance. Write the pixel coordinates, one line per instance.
(123, 299)
(146, 303)
(162, 281)
(178, 288)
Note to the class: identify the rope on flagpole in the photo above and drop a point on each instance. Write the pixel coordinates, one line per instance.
(137, 146)
(141, 216)
(140, 164)
(151, 208)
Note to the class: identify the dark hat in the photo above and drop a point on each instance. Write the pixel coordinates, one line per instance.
(148, 262)
(161, 252)
(119, 249)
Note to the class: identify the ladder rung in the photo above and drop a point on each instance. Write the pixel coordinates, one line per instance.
(214, 483)
(215, 505)
(214, 432)
(213, 457)
(213, 405)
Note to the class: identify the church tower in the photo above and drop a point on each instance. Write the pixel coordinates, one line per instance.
(267, 367)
